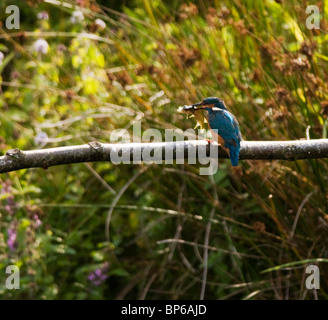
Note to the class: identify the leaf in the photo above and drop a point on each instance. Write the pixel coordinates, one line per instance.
(321, 56)
(294, 27)
(292, 24)
(119, 272)
(97, 256)
(3, 47)
(76, 61)
(62, 249)
(91, 85)
(6, 60)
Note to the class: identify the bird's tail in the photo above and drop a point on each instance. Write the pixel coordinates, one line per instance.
(234, 155)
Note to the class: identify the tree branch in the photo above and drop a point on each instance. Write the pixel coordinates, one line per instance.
(16, 159)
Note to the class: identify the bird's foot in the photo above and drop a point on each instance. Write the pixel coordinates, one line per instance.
(212, 142)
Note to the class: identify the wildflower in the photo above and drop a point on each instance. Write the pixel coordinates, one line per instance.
(282, 94)
(100, 24)
(1, 57)
(15, 75)
(124, 78)
(281, 114)
(41, 46)
(186, 11)
(6, 189)
(315, 82)
(189, 56)
(77, 16)
(34, 214)
(61, 47)
(37, 221)
(43, 15)
(11, 242)
(98, 276)
(214, 17)
(41, 138)
(300, 64)
(240, 27)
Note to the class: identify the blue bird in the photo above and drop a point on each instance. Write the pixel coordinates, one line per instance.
(223, 125)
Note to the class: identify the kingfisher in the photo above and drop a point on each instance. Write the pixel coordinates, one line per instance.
(223, 124)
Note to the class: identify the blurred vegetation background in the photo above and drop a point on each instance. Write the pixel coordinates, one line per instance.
(77, 70)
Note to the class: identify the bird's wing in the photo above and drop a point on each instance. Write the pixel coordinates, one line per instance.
(227, 126)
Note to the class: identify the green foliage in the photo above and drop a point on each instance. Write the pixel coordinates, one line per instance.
(270, 217)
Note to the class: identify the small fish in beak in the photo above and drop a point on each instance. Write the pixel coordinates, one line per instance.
(193, 111)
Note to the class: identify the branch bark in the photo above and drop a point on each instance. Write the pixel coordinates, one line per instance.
(16, 159)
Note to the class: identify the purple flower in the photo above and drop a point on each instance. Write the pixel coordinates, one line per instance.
(77, 16)
(37, 221)
(100, 24)
(41, 46)
(43, 15)
(12, 235)
(61, 47)
(98, 276)
(15, 75)
(41, 138)
(6, 188)
(1, 57)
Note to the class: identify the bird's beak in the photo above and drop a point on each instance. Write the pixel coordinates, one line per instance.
(197, 104)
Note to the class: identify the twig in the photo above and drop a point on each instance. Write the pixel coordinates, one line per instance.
(300, 208)
(117, 198)
(205, 256)
(217, 249)
(16, 159)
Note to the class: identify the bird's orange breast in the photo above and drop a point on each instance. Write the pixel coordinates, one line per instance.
(219, 139)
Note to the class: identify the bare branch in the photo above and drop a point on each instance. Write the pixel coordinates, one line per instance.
(16, 159)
